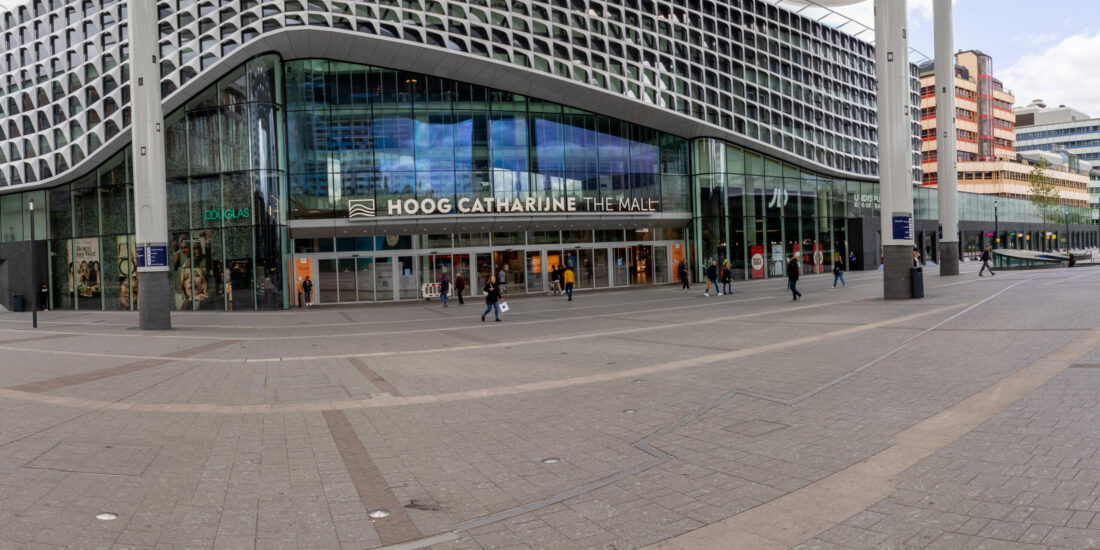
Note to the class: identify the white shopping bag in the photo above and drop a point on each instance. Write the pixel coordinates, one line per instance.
(503, 306)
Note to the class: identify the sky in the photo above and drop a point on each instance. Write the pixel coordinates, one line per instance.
(1048, 50)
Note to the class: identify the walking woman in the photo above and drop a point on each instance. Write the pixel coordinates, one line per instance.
(727, 278)
(838, 271)
(492, 299)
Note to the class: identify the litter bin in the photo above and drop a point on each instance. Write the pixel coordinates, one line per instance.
(917, 274)
(17, 303)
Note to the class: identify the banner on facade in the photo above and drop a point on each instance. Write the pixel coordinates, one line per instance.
(756, 261)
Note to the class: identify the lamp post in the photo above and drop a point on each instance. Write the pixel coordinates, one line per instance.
(1065, 216)
(34, 273)
(996, 228)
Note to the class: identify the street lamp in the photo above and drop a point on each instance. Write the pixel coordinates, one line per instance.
(34, 274)
(996, 232)
(1065, 212)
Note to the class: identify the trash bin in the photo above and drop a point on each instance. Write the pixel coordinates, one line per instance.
(17, 303)
(917, 274)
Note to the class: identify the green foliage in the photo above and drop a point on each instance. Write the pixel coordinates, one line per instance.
(1044, 196)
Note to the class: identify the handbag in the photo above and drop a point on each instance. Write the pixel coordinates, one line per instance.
(503, 306)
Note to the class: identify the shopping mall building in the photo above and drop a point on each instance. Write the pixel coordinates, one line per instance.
(375, 146)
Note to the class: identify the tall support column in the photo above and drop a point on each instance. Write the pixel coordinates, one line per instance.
(946, 154)
(150, 201)
(895, 150)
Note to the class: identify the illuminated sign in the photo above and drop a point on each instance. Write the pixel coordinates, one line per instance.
(227, 214)
(359, 209)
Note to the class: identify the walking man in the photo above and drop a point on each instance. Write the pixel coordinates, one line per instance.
(555, 281)
(987, 256)
(792, 278)
(307, 291)
(492, 299)
(502, 277)
(712, 278)
(444, 288)
(569, 279)
(683, 271)
(460, 285)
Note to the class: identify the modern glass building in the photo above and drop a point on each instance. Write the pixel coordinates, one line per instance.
(373, 147)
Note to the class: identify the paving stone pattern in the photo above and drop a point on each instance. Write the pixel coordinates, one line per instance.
(669, 413)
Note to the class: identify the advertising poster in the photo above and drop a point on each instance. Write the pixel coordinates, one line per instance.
(127, 273)
(756, 260)
(779, 262)
(302, 270)
(86, 268)
(819, 258)
(192, 260)
(677, 259)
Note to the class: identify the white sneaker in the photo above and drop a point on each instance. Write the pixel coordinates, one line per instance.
(719, 293)
(706, 294)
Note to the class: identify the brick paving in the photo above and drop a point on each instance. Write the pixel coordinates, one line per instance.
(671, 416)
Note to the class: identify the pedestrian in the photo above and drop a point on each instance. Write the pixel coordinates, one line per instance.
(916, 257)
(460, 285)
(727, 278)
(792, 278)
(44, 293)
(307, 291)
(683, 270)
(712, 278)
(987, 256)
(569, 281)
(502, 277)
(444, 288)
(492, 299)
(838, 271)
(555, 281)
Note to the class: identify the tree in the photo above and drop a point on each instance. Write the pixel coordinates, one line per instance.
(1044, 196)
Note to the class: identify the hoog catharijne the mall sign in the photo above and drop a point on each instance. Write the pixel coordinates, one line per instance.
(360, 209)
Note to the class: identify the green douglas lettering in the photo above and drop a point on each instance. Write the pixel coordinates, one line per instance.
(227, 214)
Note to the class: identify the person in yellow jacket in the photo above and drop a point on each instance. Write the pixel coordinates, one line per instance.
(569, 281)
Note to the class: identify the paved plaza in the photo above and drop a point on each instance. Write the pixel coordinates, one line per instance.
(652, 417)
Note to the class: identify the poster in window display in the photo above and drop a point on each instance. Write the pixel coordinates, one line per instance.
(195, 284)
(85, 269)
(127, 273)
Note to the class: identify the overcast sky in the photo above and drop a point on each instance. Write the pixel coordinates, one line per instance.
(1048, 50)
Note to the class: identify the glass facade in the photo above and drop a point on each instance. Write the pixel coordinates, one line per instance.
(273, 148)
(357, 132)
(226, 213)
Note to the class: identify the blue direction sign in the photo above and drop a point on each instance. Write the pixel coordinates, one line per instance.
(903, 226)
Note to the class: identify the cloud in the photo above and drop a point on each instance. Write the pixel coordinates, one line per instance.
(1061, 74)
(1034, 39)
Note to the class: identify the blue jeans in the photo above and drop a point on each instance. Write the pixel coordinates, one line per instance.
(839, 275)
(494, 307)
(569, 290)
(726, 287)
(443, 297)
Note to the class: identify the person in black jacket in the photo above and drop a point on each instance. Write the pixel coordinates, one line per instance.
(492, 299)
(712, 278)
(683, 269)
(987, 257)
(792, 278)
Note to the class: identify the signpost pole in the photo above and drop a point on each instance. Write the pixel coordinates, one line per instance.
(150, 200)
(895, 147)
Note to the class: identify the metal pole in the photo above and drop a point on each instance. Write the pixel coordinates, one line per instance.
(996, 227)
(1065, 216)
(946, 145)
(34, 274)
(895, 146)
(150, 197)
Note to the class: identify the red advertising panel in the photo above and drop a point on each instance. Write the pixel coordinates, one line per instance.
(756, 260)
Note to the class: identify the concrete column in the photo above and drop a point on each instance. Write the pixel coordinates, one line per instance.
(150, 201)
(947, 156)
(895, 146)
